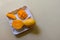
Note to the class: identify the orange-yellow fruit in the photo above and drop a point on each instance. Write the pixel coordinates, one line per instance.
(22, 14)
(29, 22)
(17, 24)
(11, 16)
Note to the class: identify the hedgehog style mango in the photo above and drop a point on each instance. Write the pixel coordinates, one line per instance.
(22, 14)
(17, 24)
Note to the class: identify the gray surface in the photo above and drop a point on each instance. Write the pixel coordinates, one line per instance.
(45, 12)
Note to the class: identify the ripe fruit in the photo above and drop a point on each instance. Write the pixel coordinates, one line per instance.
(22, 14)
(17, 24)
(11, 16)
(29, 22)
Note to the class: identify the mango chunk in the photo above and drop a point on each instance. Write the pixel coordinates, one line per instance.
(11, 16)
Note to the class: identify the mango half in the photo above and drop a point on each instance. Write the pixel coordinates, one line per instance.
(29, 22)
(17, 24)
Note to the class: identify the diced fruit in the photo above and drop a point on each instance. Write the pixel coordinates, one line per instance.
(22, 14)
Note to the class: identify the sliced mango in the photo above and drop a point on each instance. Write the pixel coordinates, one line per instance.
(11, 16)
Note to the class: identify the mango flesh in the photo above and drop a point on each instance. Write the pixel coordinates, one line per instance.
(29, 22)
(17, 24)
(11, 16)
(22, 14)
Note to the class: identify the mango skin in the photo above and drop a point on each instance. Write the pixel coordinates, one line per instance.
(29, 22)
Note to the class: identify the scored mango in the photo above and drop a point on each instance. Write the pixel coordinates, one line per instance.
(22, 14)
(17, 24)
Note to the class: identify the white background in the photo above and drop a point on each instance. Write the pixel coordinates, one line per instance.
(45, 12)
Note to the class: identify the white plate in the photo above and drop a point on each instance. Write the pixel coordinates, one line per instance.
(15, 32)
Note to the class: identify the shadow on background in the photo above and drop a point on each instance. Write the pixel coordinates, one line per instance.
(35, 30)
